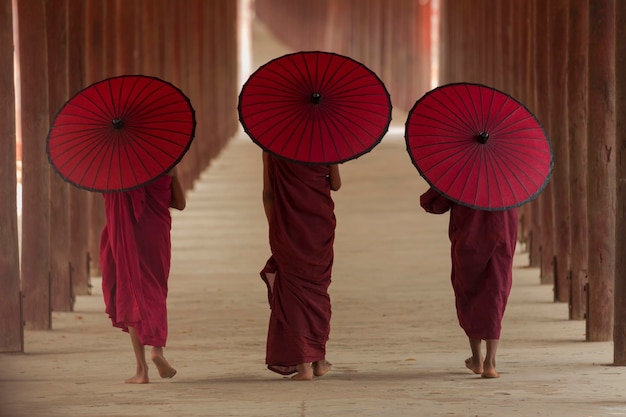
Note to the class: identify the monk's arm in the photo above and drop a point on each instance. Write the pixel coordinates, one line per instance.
(178, 195)
(268, 193)
(433, 202)
(335, 178)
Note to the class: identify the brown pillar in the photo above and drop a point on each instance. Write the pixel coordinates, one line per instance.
(601, 169)
(79, 216)
(521, 15)
(558, 19)
(577, 122)
(500, 44)
(534, 208)
(36, 169)
(543, 96)
(61, 288)
(619, 327)
(11, 330)
(95, 64)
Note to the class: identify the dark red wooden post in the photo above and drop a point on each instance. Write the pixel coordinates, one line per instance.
(11, 327)
(577, 122)
(534, 208)
(601, 169)
(79, 216)
(542, 98)
(57, 31)
(36, 169)
(619, 327)
(558, 11)
(95, 70)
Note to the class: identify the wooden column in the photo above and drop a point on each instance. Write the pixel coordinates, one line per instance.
(95, 70)
(558, 11)
(499, 45)
(577, 122)
(79, 199)
(619, 327)
(60, 275)
(543, 96)
(36, 169)
(601, 169)
(520, 15)
(11, 329)
(534, 211)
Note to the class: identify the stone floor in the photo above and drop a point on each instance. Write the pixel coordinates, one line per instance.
(395, 343)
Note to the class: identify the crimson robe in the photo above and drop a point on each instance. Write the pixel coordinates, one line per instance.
(482, 250)
(135, 254)
(301, 236)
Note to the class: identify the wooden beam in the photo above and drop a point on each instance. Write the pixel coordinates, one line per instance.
(577, 124)
(11, 328)
(619, 327)
(601, 169)
(36, 170)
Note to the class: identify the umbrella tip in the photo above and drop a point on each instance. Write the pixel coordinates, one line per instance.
(117, 123)
(315, 98)
(483, 137)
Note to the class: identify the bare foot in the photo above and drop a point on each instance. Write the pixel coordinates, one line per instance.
(473, 365)
(139, 378)
(321, 367)
(305, 372)
(163, 366)
(490, 372)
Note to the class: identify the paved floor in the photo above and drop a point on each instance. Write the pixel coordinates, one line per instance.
(395, 342)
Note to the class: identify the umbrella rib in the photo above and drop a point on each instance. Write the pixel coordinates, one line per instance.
(140, 139)
(462, 121)
(335, 78)
(518, 162)
(498, 120)
(131, 147)
(500, 164)
(456, 120)
(472, 104)
(477, 161)
(103, 150)
(335, 123)
(460, 152)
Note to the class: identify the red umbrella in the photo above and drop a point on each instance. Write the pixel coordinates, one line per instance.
(315, 107)
(478, 146)
(121, 133)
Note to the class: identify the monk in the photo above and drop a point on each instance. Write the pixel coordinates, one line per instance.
(300, 214)
(135, 253)
(482, 250)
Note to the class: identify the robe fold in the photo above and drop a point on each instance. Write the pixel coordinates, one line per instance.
(482, 250)
(298, 274)
(135, 253)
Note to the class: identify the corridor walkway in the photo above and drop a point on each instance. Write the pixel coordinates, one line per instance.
(395, 343)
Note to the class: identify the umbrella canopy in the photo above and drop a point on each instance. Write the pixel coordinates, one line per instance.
(121, 133)
(478, 146)
(315, 107)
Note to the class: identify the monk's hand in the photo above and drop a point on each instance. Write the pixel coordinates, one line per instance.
(173, 172)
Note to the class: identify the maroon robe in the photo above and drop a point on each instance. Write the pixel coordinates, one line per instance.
(482, 250)
(301, 235)
(135, 253)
